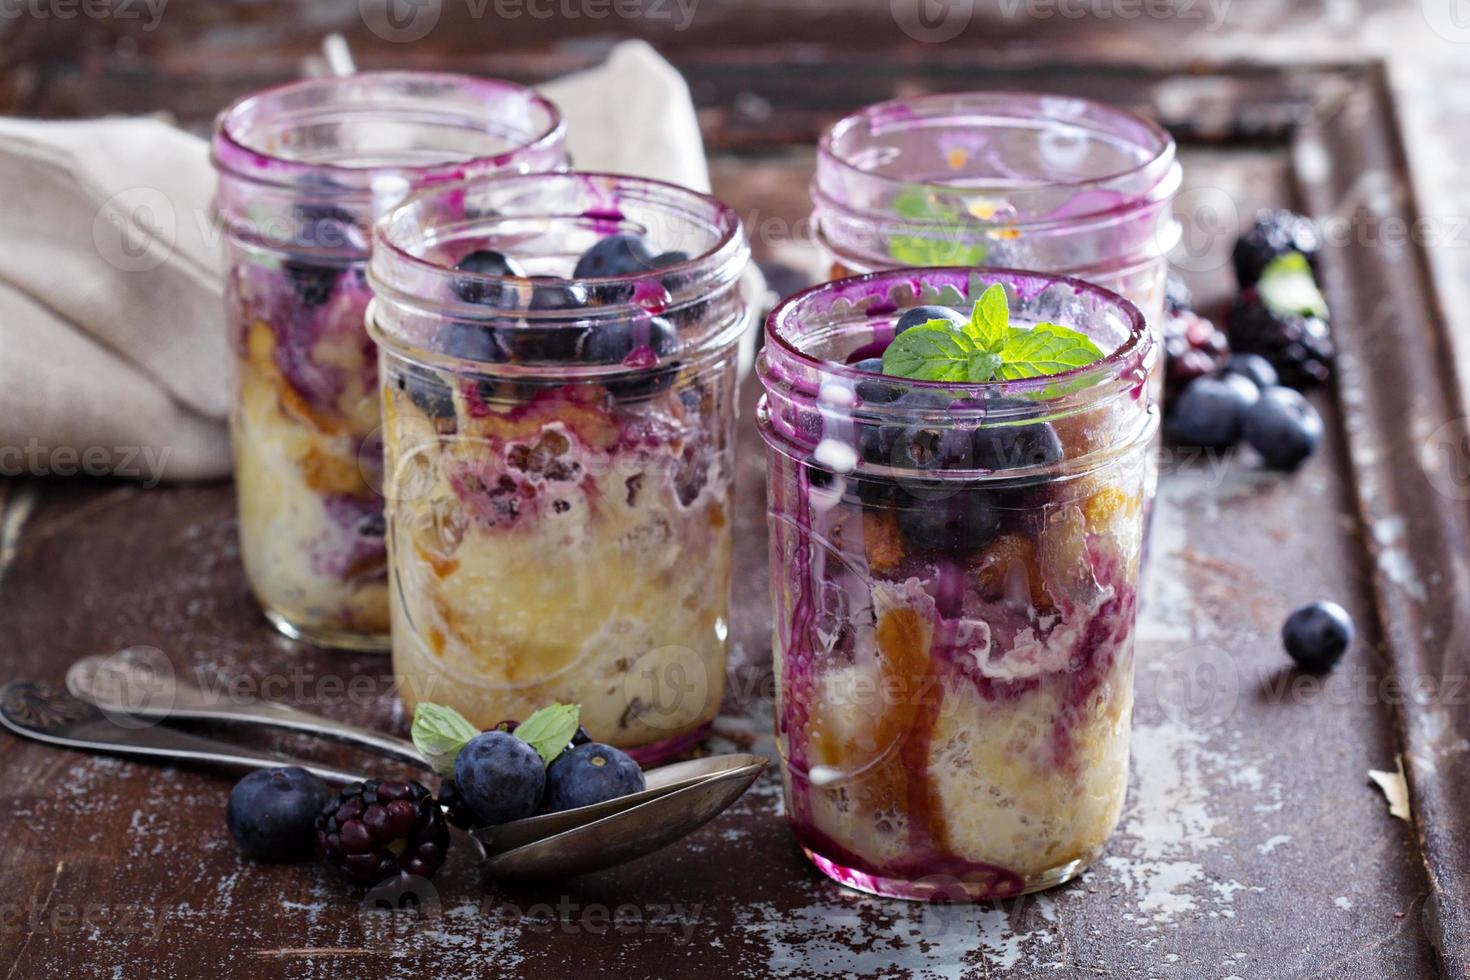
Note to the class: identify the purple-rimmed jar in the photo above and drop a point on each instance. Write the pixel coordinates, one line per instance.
(954, 577)
(559, 448)
(304, 169)
(1045, 182)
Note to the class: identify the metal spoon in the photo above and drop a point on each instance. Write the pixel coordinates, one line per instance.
(627, 834)
(40, 712)
(142, 684)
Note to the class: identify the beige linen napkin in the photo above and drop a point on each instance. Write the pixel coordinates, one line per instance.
(112, 335)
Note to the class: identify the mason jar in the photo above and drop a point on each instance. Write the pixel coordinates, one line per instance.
(559, 449)
(954, 579)
(303, 170)
(1026, 181)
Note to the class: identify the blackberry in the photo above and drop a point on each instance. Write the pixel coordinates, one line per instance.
(375, 830)
(1274, 233)
(1193, 348)
(1298, 346)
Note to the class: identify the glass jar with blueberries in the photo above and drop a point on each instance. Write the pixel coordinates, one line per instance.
(954, 576)
(559, 358)
(303, 171)
(1027, 181)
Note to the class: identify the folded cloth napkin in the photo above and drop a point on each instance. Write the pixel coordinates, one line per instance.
(112, 336)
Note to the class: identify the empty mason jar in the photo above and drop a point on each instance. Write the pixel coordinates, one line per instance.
(559, 356)
(303, 170)
(954, 579)
(1043, 182)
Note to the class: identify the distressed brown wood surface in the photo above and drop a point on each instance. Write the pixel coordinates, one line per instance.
(1251, 846)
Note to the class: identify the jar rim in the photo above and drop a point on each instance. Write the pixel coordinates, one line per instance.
(720, 262)
(1112, 365)
(233, 152)
(1154, 170)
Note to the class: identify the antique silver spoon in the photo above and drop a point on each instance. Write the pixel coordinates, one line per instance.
(141, 684)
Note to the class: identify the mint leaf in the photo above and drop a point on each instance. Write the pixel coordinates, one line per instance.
(1287, 286)
(982, 367)
(439, 732)
(550, 730)
(932, 351)
(1046, 348)
(990, 320)
(944, 246)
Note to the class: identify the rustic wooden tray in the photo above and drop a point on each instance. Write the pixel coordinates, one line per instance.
(1252, 844)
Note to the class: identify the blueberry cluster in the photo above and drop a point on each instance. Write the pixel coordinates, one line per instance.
(499, 778)
(933, 515)
(1245, 402)
(615, 342)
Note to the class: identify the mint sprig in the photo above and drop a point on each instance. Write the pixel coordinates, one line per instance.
(1287, 286)
(944, 246)
(987, 347)
(550, 730)
(439, 732)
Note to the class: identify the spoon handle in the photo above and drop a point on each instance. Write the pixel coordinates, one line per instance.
(39, 712)
(149, 688)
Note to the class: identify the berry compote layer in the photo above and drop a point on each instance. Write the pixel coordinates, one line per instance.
(954, 578)
(558, 411)
(305, 435)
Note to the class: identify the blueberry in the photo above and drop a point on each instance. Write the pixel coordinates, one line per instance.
(616, 255)
(615, 342)
(916, 315)
(588, 774)
(326, 226)
(581, 736)
(500, 776)
(895, 445)
(1008, 447)
(1316, 635)
(611, 343)
(931, 447)
(818, 477)
(1244, 387)
(1209, 414)
(875, 392)
(431, 395)
(555, 293)
(957, 522)
(1283, 427)
(665, 259)
(1252, 366)
(471, 341)
(311, 283)
(272, 813)
(485, 262)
